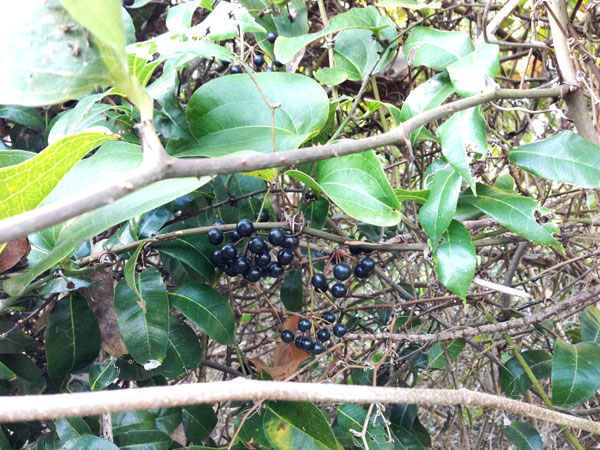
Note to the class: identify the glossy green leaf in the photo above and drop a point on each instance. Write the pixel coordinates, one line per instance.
(409, 4)
(198, 422)
(71, 427)
(565, 157)
(143, 316)
(6, 373)
(404, 439)
(590, 325)
(194, 255)
(30, 380)
(352, 417)
(575, 373)
(16, 341)
(183, 351)
(455, 259)
(331, 76)
(252, 430)
(144, 440)
(180, 16)
(437, 212)
(207, 309)
(316, 212)
(305, 178)
(102, 375)
(89, 442)
(297, 425)
(513, 379)
(475, 72)
(29, 117)
(72, 336)
(437, 356)
(229, 114)
(291, 291)
(154, 220)
(20, 193)
(129, 274)
(436, 49)
(357, 184)
(506, 182)
(419, 196)
(366, 18)
(43, 64)
(425, 96)
(523, 436)
(462, 136)
(12, 157)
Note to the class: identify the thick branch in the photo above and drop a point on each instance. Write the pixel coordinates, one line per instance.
(43, 217)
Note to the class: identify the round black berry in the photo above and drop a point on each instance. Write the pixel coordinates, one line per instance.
(259, 60)
(263, 260)
(127, 3)
(253, 274)
(291, 242)
(218, 257)
(215, 237)
(368, 264)
(317, 348)
(287, 336)
(329, 317)
(271, 37)
(276, 236)
(307, 344)
(298, 341)
(339, 330)
(285, 256)
(257, 245)
(355, 250)
(229, 252)
(229, 269)
(342, 271)
(319, 282)
(235, 236)
(244, 227)
(241, 265)
(360, 271)
(338, 290)
(264, 216)
(304, 324)
(275, 270)
(218, 223)
(236, 69)
(323, 335)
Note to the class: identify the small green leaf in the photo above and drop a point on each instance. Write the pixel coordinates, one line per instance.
(513, 379)
(437, 357)
(154, 220)
(358, 185)
(456, 260)
(575, 373)
(102, 375)
(306, 179)
(436, 49)
(89, 442)
(29, 117)
(590, 325)
(198, 422)
(207, 309)
(6, 373)
(180, 16)
(129, 270)
(316, 212)
(183, 351)
(331, 76)
(144, 440)
(565, 157)
(72, 336)
(13, 157)
(475, 72)
(29, 381)
(420, 196)
(71, 427)
(523, 436)
(16, 341)
(291, 291)
(352, 417)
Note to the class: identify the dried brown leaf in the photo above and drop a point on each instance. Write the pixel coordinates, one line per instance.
(14, 252)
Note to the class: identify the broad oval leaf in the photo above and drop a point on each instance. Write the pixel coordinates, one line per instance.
(352, 417)
(523, 436)
(72, 336)
(513, 379)
(71, 427)
(89, 442)
(566, 157)
(30, 380)
(475, 72)
(29, 117)
(229, 114)
(575, 373)
(183, 351)
(207, 309)
(297, 425)
(455, 259)
(437, 356)
(291, 291)
(436, 49)
(358, 185)
(102, 375)
(16, 341)
(590, 325)
(143, 316)
(198, 422)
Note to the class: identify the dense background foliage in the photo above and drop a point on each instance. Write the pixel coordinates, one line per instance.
(476, 198)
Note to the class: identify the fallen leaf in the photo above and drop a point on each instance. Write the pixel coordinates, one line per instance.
(14, 252)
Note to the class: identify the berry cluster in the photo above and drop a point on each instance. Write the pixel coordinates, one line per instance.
(341, 272)
(304, 342)
(259, 60)
(254, 262)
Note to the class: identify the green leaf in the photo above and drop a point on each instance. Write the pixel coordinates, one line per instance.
(226, 111)
(43, 64)
(144, 440)
(420, 196)
(183, 351)
(129, 271)
(456, 260)
(29, 117)
(405, 439)
(24, 186)
(143, 316)
(306, 179)
(291, 291)
(357, 184)
(71, 427)
(72, 336)
(523, 436)
(475, 72)
(575, 373)
(437, 212)
(207, 309)
(513, 379)
(102, 375)
(331, 76)
(316, 212)
(198, 422)
(30, 380)
(505, 182)
(410, 4)
(437, 357)
(590, 325)
(12, 157)
(565, 157)
(6, 373)
(436, 49)
(461, 134)
(180, 16)
(297, 425)
(89, 442)
(154, 220)
(352, 417)
(16, 341)
(424, 97)
(366, 18)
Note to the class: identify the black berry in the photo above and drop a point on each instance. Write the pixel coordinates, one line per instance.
(338, 290)
(263, 260)
(236, 69)
(368, 264)
(264, 216)
(291, 242)
(275, 270)
(317, 348)
(244, 227)
(323, 335)
(218, 223)
(276, 236)
(271, 37)
(235, 236)
(307, 344)
(259, 60)
(329, 317)
(218, 257)
(229, 252)
(287, 336)
(215, 237)
(298, 341)
(229, 269)
(355, 250)
(285, 256)
(253, 274)
(241, 266)
(342, 271)
(128, 3)
(319, 282)
(304, 324)
(257, 245)
(360, 271)
(339, 330)
(277, 63)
